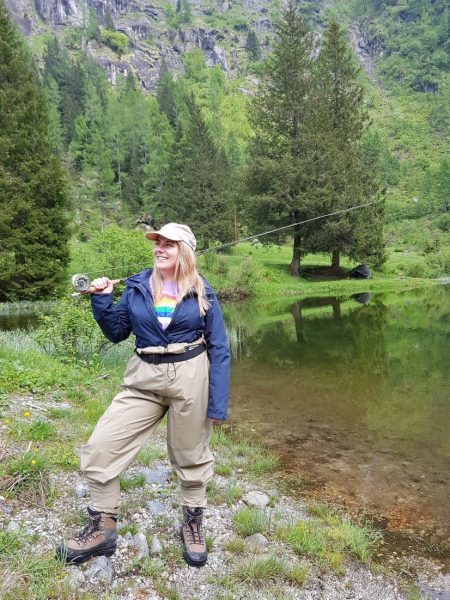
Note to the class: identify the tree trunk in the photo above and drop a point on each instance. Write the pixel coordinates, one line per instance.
(335, 303)
(294, 267)
(335, 261)
(296, 312)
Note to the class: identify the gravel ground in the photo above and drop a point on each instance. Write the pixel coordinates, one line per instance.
(149, 534)
(149, 525)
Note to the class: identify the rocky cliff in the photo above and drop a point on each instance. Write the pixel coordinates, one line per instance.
(219, 28)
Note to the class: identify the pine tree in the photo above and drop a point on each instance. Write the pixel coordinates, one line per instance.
(340, 119)
(160, 144)
(92, 29)
(280, 161)
(33, 197)
(166, 94)
(72, 99)
(186, 12)
(56, 63)
(196, 191)
(91, 153)
(253, 46)
(55, 131)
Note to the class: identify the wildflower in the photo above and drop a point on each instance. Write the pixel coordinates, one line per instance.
(26, 413)
(33, 461)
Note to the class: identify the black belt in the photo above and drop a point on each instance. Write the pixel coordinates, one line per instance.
(156, 359)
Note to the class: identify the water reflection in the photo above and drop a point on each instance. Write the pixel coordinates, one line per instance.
(22, 315)
(355, 395)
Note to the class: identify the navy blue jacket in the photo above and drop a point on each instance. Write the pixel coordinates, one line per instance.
(134, 313)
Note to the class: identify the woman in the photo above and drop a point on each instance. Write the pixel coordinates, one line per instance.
(180, 367)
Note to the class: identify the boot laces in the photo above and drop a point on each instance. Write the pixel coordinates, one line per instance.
(87, 534)
(195, 535)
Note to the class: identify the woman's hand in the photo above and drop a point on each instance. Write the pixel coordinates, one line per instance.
(101, 285)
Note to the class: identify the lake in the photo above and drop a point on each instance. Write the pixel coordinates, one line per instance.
(23, 315)
(354, 393)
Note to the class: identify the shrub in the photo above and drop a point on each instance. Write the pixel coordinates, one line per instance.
(439, 262)
(113, 251)
(71, 333)
(115, 40)
(231, 279)
(414, 268)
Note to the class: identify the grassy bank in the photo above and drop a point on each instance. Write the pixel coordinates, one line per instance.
(258, 271)
(48, 407)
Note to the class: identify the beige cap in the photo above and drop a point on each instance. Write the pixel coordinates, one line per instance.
(175, 232)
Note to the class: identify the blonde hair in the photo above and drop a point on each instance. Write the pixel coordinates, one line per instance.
(187, 278)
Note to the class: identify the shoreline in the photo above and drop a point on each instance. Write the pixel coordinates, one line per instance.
(249, 528)
(248, 482)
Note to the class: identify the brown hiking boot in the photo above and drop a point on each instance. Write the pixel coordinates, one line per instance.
(98, 538)
(194, 545)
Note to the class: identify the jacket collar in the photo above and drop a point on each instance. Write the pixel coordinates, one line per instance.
(140, 278)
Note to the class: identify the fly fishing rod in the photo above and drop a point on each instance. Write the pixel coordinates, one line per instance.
(82, 283)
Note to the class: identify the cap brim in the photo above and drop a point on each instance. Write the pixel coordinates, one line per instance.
(154, 235)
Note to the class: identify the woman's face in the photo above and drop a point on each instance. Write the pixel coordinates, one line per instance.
(166, 254)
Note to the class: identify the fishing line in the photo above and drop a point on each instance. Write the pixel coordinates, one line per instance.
(258, 235)
(252, 237)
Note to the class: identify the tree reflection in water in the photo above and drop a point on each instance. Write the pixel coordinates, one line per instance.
(355, 394)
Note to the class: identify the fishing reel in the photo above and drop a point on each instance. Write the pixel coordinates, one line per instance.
(82, 284)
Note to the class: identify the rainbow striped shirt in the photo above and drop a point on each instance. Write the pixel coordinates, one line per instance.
(165, 307)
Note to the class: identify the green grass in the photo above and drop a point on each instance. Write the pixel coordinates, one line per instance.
(37, 577)
(233, 493)
(173, 556)
(222, 469)
(10, 542)
(235, 545)
(236, 453)
(129, 483)
(296, 574)
(36, 430)
(128, 528)
(248, 521)
(269, 269)
(148, 567)
(264, 462)
(260, 569)
(259, 572)
(149, 454)
(24, 473)
(329, 538)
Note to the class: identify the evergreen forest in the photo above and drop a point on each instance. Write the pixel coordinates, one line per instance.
(307, 128)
